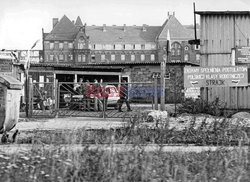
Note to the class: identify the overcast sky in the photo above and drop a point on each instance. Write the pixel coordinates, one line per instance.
(21, 21)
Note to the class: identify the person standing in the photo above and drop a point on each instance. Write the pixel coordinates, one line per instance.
(123, 97)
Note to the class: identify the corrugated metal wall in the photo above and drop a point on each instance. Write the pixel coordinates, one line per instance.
(219, 34)
(233, 97)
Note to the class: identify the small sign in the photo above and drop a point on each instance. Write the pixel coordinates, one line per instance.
(5, 66)
(6, 55)
(224, 76)
(243, 54)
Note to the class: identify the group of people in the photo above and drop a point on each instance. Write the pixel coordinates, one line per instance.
(82, 87)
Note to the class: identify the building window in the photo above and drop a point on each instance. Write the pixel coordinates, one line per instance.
(132, 57)
(178, 52)
(167, 76)
(197, 57)
(79, 58)
(70, 45)
(83, 58)
(152, 57)
(124, 47)
(81, 43)
(186, 48)
(70, 57)
(143, 57)
(143, 46)
(123, 57)
(114, 47)
(112, 57)
(173, 52)
(51, 57)
(134, 46)
(93, 57)
(61, 57)
(60, 45)
(103, 57)
(186, 57)
(51, 45)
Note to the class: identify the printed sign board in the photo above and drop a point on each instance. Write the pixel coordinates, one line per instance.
(192, 92)
(5, 66)
(243, 55)
(223, 76)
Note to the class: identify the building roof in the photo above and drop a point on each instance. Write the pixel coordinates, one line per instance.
(65, 29)
(116, 34)
(78, 22)
(222, 12)
(176, 29)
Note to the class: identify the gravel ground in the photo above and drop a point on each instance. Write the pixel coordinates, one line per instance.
(17, 148)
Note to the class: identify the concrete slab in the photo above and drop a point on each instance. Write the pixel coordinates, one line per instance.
(72, 123)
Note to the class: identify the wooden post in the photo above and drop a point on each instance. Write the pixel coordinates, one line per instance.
(163, 71)
(155, 94)
(27, 93)
(30, 96)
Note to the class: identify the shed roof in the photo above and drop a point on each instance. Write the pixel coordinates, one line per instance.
(222, 12)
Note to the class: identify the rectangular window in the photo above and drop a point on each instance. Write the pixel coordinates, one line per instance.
(148, 46)
(143, 46)
(132, 57)
(70, 45)
(124, 47)
(128, 47)
(123, 57)
(134, 46)
(79, 58)
(153, 46)
(93, 57)
(108, 46)
(61, 57)
(118, 47)
(51, 57)
(60, 45)
(137, 46)
(51, 45)
(70, 57)
(83, 58)
(103, 57)
(167, 76)
(41, 80)
(143, 57)
(112, 57)
(152, 57)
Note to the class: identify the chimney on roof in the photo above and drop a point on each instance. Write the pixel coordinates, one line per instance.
(144, 28)
(73, 21)
(174, 13)
(104, 28)
(54, 21)
(124, 28)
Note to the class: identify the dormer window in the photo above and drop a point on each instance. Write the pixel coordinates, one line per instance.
(81, 43)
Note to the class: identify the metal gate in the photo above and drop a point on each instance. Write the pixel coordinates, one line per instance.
(103, 100)
(63, 99)
(43, 99)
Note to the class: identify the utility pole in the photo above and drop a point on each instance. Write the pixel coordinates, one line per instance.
(163, 72)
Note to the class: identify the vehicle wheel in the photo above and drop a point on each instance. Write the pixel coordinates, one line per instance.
(4, 138)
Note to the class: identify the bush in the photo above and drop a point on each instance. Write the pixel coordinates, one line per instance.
(197, 106)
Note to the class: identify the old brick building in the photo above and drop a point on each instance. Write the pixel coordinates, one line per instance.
(73, 50)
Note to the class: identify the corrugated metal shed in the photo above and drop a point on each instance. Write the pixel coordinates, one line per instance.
(220, 32)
